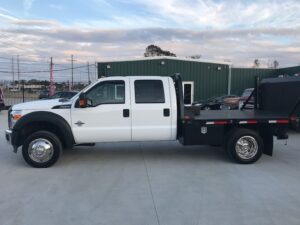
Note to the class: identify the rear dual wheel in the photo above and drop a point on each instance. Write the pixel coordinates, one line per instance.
(245, 146)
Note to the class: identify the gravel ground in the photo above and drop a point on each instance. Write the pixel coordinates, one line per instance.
(150, 183)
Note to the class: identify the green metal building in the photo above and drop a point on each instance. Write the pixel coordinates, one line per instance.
(201, 79)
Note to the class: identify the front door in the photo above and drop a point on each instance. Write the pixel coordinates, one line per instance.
(151, 109)
(107, 117)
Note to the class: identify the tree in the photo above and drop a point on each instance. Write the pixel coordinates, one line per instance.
(256, 63)
(275, 64)
(153, 50)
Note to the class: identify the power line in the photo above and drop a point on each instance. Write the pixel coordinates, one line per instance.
(5, 58)
(47, 71)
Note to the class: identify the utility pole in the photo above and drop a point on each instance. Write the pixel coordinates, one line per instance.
(96, 71)
(72, 71)
(72, 66)
(13, 69)
(51, 88)
(18, 67)
(88, 71)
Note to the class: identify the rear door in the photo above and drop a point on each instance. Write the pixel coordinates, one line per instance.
(151, 109)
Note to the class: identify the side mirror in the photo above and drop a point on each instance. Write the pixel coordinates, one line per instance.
(82, 100)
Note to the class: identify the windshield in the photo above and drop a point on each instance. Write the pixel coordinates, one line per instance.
(83, 90)
(57, 95)
(247, 93)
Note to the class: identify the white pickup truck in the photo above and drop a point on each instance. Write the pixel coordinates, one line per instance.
(137, 108)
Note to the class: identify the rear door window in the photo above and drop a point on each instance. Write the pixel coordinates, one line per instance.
(149, 91)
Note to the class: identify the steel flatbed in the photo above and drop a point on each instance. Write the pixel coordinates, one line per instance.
(212, 127)
(226, 127)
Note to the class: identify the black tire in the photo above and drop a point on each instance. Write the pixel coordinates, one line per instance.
(50, 137)
(247, 134)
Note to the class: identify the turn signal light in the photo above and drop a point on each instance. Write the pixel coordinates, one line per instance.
(16, 117)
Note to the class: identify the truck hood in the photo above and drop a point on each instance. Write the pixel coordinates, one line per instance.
(41, 104)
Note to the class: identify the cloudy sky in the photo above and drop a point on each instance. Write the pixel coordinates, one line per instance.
(96, 30)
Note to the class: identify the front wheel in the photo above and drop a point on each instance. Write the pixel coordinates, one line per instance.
(245, 146)
(42, 149)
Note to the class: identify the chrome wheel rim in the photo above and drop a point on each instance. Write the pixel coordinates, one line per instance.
(246, 147)
(40, 150)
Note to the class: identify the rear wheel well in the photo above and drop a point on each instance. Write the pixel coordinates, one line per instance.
(263, 130)
(33, 127)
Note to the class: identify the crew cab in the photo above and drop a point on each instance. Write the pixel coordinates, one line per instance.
(138, 108)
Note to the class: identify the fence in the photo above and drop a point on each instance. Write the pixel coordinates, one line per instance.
(25, 92)
(24, 80)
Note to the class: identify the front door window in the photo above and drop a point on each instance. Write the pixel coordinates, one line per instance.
(107, 92)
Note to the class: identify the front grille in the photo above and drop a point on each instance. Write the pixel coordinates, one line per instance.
(9, 118)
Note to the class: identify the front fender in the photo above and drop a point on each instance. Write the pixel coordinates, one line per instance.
(48, 117)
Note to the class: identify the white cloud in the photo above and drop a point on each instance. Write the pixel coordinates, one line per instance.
(5, 14)
(56, 6)
(226, 14)
(28, 4)
(242, 46)
(33, 23)
(102, 3)
(237, 30)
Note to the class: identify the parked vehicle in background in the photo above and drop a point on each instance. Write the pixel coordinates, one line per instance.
(231, 103)
(2, 105)
(247, 92)
(215, 103)
(64, 94)
(44, 94)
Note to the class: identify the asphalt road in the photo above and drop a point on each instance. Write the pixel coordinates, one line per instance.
(150, 183)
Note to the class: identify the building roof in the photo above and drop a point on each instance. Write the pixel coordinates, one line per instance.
(166, 57)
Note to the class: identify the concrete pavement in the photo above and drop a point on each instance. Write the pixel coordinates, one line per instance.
(149, 184)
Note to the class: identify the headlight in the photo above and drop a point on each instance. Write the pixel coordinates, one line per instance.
(15, 115)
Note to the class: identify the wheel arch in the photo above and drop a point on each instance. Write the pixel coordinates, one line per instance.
(48, 121)
(263, 130)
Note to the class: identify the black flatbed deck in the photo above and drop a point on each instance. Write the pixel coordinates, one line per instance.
(210, 127)
(240, 115)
